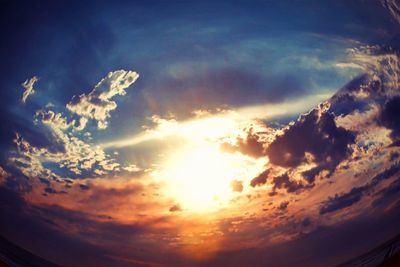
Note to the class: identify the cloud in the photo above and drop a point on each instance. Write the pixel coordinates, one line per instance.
(381, 66)
(97, 105)
(393, 7)
(250, 145)
(283, 206)
(50, 190)
(388, 194)
(389, 117)
(260, 179)
(313, 138)
(347, 199)
(72, 154)
(3, 175)
(342, 201)
(58, 121)
(283, 181)
(64, 146)
(132, 168)
(28, 88)
(84, 187)
(175, 208)
(237, 186)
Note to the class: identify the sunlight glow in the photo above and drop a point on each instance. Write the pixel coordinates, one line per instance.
(199, 178)
(223, 122)
(197, 173)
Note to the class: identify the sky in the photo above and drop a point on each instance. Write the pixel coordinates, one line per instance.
(195, 133)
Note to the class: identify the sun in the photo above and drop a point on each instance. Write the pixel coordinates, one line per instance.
(199, 177)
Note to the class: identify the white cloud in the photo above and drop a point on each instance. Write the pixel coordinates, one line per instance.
(28, 160)
(70, 151)
(66, 149)
(28, 88)
(97, 105)
(58, 121)
(381, 65)
(76, 157)
(132, 168)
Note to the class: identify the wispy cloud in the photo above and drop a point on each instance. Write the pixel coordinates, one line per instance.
(28, 88)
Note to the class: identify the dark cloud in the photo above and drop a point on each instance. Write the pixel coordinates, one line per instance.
(284, 182)
(283, 205)
(50, 190)
(260, 179)
(251, 145)
(84, 187)
(342, 201)
(388, 194)
(44, 181)
(390, 118)
(393, 156)
(175, 207)
(347, 199)
(385, 174)
(306, 222)
(315, 133)
(344, 102)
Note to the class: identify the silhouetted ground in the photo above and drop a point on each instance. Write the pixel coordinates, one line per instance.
(386, 255)
(14, 256)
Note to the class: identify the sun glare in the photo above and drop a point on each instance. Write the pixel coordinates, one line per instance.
(199, 178)
(196, 173)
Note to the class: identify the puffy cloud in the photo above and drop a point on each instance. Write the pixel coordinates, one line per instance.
(132, 168)
(58, 121)
(75, 155)
(28, 160)
(97, 105)
(315, 135)
(65, 148)
(28, 88)
(389, 117)
(251, 145)
(283, 181)
(260, 179)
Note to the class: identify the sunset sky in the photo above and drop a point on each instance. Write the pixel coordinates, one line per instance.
(199, 133)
